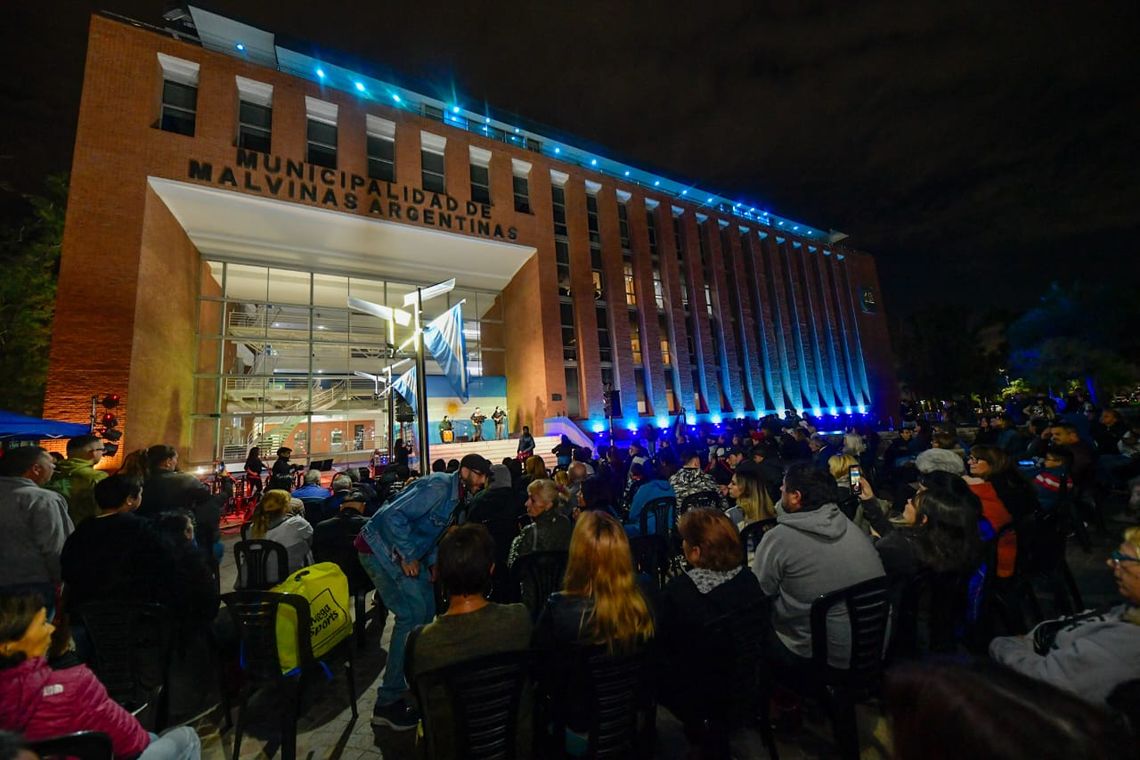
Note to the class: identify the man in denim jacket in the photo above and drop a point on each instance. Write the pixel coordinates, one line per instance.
(397, 548)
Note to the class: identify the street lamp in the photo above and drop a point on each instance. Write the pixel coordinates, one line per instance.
(393, 317)
(417, 299)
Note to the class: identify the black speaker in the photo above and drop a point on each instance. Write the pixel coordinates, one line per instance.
(613, 403)
(404, 412)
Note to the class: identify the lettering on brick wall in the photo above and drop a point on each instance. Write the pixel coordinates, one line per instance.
(331, 188)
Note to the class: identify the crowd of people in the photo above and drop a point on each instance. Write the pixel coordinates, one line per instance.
(766, 516)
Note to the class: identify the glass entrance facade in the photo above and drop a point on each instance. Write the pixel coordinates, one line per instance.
(278, 353)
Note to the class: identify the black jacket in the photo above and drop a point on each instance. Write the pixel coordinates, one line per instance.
(174, 491)
(333, 542)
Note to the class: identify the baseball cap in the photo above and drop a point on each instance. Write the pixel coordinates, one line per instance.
(476, 463)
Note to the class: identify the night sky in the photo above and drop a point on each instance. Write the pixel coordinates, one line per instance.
(978, 152)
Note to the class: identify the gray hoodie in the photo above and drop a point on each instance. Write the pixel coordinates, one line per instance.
(808, 554)
(1091, 655)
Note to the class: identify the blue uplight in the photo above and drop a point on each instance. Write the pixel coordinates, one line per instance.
(716, 419)
(663, 422)
(833, 411)
(684, 192)
(516, 130)
(487, 120)
(320, 73)
(627, 172)
(709, 200)
(558, 150)
(656, 183)
(598, 427)
(455, 109)
(690, 419)
(631, 426)
(847, 409)
(240, 47)
(862, 409)
(395, 97)
(593, 162)
(360, 86)
(816, 411)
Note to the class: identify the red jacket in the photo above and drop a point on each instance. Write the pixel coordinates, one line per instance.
(40, 702)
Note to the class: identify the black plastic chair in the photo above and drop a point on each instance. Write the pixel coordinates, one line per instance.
(664, 513)
(740, 699)
(752, 533)
(254, 559)
(869, 610)
(538, 575)
(132, 644)
(84, 745)
(700, 499)
(651, 556)
(485, 696)
(359, 586)
(622, 704)
(255, 613)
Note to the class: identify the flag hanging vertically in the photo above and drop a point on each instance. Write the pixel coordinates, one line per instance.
(443, 337)
(405, 385)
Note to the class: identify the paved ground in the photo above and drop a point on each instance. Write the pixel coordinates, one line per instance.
(327, 730)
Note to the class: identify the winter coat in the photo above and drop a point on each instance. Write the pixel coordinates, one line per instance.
(75, 480)
(33, 526)
(39, 702)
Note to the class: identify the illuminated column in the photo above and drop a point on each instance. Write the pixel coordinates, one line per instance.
(817, 356)
(840, 361)
(803, 370)
(778, 294)
(860, 366)
(766, 336)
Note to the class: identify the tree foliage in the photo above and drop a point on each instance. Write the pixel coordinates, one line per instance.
(29, 257)
(943, 353)
(1084, 333)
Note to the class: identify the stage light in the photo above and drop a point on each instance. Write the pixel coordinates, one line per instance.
(395, 97)
(110, 401)
(320, 73)
(240, 47)
(360, 86)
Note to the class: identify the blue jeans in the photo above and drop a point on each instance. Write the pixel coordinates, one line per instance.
(180, 743)
(412, 601)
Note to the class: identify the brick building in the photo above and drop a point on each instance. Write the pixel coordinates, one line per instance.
(228, 195)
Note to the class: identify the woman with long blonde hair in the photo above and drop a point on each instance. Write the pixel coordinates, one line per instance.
(600, 602)
(274, 521)
(751, 497)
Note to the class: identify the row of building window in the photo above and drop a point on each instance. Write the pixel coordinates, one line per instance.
(255, 132)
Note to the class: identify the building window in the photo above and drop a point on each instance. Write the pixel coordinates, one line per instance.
(382, 158)
(666, 348)
(432, 173)
(605, 352)
(598, 274)
(381, 146)
(868, 301)
(255, 115)
(522, 194)
(573, 404)
(433, 178)
(255, 123)
(679, 242)
(480, 175)
(642, 397)
(592, 219)
(562, 262)
(179, 95)
(321, 132)
(630, 292)
(480, 184)
(569, 338)
(558, 195)
(623, 225)
(635, 338)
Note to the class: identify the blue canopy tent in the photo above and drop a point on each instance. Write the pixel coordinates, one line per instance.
(20, 427)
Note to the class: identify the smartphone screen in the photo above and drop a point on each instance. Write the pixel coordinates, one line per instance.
(856, 477)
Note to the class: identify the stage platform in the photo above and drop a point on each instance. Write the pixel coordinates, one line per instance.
(496, 451)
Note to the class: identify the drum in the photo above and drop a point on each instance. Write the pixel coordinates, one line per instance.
(447, 436)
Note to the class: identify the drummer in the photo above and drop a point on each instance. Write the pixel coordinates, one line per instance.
(445, 430)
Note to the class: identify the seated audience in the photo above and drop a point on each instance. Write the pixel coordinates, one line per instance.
(691, 479)
(945, 709)
(471, 627)
(334, 540)
(718, 584)
(167, 489)
(1091, 653)
(752, 501)
(34, 524)
(195, 589)
(1052, 480)
(40, 702)
(317, 513)
(312, 489)
(496, 508)
(550, 529)
(985, 462)
(814, 549)
(272, 521)
(1084, 456)
(117, 554)
(653, 487)
(600, 605)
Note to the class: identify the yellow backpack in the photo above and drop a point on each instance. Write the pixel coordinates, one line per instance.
(325, 586)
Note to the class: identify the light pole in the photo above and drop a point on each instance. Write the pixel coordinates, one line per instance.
(392, 317)
(417, 299)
